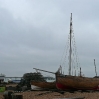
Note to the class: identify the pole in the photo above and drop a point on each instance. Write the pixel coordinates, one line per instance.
(44, 70)
(70, 51)
(95, 68)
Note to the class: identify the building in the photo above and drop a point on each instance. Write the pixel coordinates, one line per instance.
(2, 76)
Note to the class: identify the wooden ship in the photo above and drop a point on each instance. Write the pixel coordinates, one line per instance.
(70, 82)
(76, 82)
(43, 84)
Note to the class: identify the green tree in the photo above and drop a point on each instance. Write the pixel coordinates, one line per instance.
(27, 77)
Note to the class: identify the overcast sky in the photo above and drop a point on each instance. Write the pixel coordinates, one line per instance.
(33, 33)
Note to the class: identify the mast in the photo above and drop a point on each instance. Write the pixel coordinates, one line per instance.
(95, 68)
(70, 51)
(80, 72)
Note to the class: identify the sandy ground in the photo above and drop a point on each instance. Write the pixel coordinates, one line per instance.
(55, 95)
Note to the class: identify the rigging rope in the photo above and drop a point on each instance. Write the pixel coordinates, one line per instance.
(74, 60)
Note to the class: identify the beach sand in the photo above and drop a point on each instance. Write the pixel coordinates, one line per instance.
(55, 95)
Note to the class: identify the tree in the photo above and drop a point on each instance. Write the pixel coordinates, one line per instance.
(27, 77)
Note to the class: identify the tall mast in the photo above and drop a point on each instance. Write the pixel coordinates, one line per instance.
(95, 68)
(70, 51)
(80, 72)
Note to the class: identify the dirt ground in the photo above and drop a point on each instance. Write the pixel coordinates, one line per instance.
(55, 95)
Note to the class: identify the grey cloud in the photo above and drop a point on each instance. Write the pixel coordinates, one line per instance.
(35, 35)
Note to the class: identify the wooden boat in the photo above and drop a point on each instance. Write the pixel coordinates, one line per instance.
(78, 83)
(44, 85)
(70, 82)
(65, 82)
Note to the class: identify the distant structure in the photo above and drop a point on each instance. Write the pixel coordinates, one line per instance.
(12, 79)
(49, 79)
(2, 76)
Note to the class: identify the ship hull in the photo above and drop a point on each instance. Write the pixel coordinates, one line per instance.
(63, 87)
(44, 85)
(33, 87)
(79, 83)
